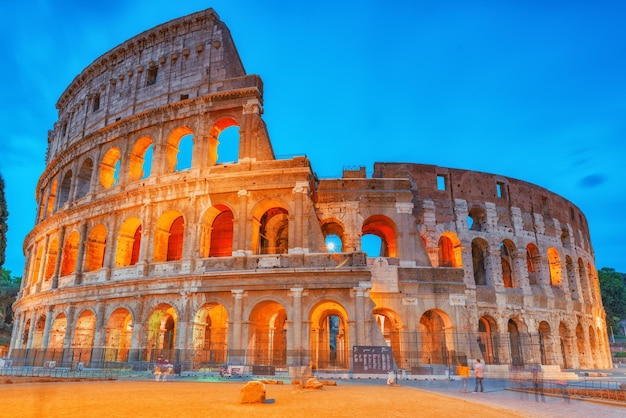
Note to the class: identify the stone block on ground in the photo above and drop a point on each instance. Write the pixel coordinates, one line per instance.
(311, 383)
(253, 392)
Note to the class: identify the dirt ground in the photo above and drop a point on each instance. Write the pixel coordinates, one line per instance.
(222, 399)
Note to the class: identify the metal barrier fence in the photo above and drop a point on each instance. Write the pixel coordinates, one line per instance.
(59, 373)
(609, 390)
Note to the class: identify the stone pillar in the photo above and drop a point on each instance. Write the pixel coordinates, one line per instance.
(184, 322)
(46, 330)
(237, 324)
(31, 330)
(240, 243)
(296, 238)
(138, 329)
(57, 267)
(44, 261)
(78, 278)
(406, 241)
(296, 294)
(359, 293)
(146, 239)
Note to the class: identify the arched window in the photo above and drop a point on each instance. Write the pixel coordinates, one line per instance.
(185, 152)
(274, 231)
(109, 167)
(173, 151)
(333, 232)
(66, 186)
(168, 237)
(128, 243)
(84, 178)
(506, 260)
(479, 259)
(449, 250)
(224, 142)
(555, 267)
(95, 248)
(222, 235)
(175, 240)
(141, 159)
(532, 264)
(385, 229)
(51, 262)
(70, 253)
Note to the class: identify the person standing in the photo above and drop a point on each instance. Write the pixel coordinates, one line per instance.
(463, 371)
(478, 373)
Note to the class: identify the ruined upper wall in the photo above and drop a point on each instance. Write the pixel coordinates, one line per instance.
(477, 189)
(185, 58)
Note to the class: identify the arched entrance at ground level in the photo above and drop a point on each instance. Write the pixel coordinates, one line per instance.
(210, 336)
(119, 332)
(580, 345)
(515, 343)
(38, 332)
(390, 326)
(487, 340)
(267, 335)
(546, 344)
(57, 332)
(436, 337)
(161, 332)
(84, 332)
(330, 342)
(566, 346)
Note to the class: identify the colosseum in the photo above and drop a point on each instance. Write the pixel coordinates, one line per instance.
(149, 241)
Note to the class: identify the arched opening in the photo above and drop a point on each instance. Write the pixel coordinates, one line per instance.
(38, 332)
(515, 343)
(267, 334)
(210, 336)
(168, 237)
(390, 326)
(84, 332)
(128, 243)
(185, 153)
(372, 246)
(555, 267)
(66, 186)
(51, 262)
(228, 145)
(449, 250)
(224, 141)
(84, 178)
(333, 232)
(330, 342)
(437, 345)
(479, 261)
(385, 229)
(70, 253)
(173, 152)
(222, 234)
(57, 336)
(140, 164)
(507, 248)
(546, 344)
(109, 167)
(477, 219)
(274, 231)
(95, 248)
(119, 332)
(161, 331)
(488, 341)
(532, 263)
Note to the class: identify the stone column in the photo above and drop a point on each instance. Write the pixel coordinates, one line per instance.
(405, 240)
(240, 243)
(237, 324)
(184, 322)
(296, 238)
(46, 330)
(138, 327)
(359, 317)
(57, 267)
(42, 265)
(31, 330)
(146, 239)
(78, 278)
(68, 341)
(296, 294)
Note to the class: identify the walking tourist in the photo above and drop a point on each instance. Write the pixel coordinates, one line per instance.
(478, 373)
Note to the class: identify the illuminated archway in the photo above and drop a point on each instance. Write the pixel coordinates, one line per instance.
(84, 178)
(225, 131)
(210, 335)
(70, 253)
(554, 261)
(436, 337)
(270, 234)
(267, 334)
(449, 250)
(57, 333)
(119, 332)
(140, 164)
(172, 149)
(488, 340)
(84, 333)
(128, 243)
(51, 259)
(161, 332)
(330, 337)
(216, 232)
(333, 231)
(109, 167)
(384, 228)
(390, 325)
(95, 248)
(168, 237)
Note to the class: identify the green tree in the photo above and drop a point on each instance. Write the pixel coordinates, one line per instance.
(613, 293)
(4, 227)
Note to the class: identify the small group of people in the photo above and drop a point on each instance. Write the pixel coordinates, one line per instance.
(163, 368)
(464, 371)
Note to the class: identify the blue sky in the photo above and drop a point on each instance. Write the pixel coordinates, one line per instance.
(534, 90)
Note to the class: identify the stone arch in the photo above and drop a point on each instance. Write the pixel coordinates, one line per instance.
(84, 334)
(384, 228)
(83, 179)
(449, 250)
(51, 199)
(477, 218)
(515, 343)
(533, 259)
(390, 325)
(65, 189)
(210, 335)
(139, 157)
(40, 324)
(333, 231)
(546, 344)
(119, 332)
(172, 147)
(128, 243)
(109, 167)
(436, 337)
(168, 237)
(554, 262)
(270, 234)
(487, 340)
(214, 135)
(95, 248)
(216, 232)
(38, 263)
(51, 258)
(161, 332)
(267, 334)
(58, 329)
(70, 253)
(507, 249)
(480, 262)
(329, 336)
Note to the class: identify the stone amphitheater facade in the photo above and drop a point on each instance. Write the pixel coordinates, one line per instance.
(135, 255)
